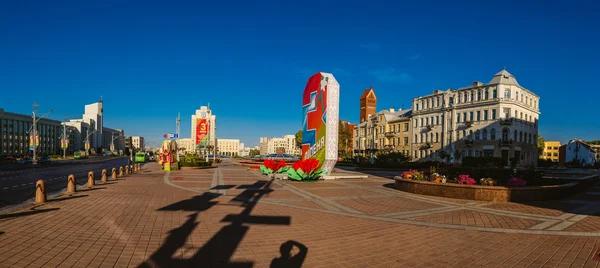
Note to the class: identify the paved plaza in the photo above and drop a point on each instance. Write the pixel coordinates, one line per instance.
(230, 216)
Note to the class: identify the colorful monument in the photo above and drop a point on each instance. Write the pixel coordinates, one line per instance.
(320, 106)
(168, 155)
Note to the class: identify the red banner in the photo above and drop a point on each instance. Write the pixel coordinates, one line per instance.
(201, 130)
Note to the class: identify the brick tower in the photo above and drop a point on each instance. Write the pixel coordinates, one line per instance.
(368, 104)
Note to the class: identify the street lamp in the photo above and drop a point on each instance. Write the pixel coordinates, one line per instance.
(373, 123)
(87, 138)
(35, 136)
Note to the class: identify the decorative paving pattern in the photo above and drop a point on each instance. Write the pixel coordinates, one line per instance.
(377, 206)
(540, 208)
(474, 218)
(590, 224)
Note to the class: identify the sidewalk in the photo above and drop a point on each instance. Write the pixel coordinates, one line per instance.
(231, 216)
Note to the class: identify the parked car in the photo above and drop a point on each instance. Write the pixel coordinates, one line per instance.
(44, 160)
(25, 161)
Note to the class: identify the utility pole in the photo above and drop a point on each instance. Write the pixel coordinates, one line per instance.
(35, 105)
(177, 131)
(64, 143)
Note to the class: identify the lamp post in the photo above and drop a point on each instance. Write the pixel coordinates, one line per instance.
(373, 122)
(112, 142)
(35, 136)
(87, 139)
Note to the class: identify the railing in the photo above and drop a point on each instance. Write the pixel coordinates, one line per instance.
(425, 146)
(504, 142)
(389, 134)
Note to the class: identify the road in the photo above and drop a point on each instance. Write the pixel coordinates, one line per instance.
(17, 186)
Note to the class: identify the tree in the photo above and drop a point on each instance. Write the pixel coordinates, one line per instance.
(299, 139)
(344, 137)
(541, 143)
(254, 152)
(594, 142)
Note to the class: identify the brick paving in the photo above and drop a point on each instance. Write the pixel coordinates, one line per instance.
(230, 216)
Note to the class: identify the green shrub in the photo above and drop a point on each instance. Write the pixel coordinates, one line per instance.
(54, 156)
(500, 175)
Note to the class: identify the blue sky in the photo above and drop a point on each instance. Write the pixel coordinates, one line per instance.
(152, 59)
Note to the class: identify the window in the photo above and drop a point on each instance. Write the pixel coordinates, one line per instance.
(416, 138)
(515, 136)
(457, 117)
(477, 135)
(493, 114)
(472, 96)
(422, 122)
(516, 114)
(405, 140)
(478, 95)
(517, 95)
(427, 121)
(478, 115)
(521, 115)
(485, 93)
(405, 127)
(464, 134)
(431, 137)
(437, 120)
(465, 97)
(417, 107)
(555, 148)
(484, 134)
(465, 117)
(437, 138)
(507, 93)
(485, 115)
(471, 116)
(521, 136)
(470, 134)
(495, 93)
(493, 134)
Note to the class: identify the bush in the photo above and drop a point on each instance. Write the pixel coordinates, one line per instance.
(545, 163)
(472, 161)
(500, 175)
(54, 156)
(194, 164)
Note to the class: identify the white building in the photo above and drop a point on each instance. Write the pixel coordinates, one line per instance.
(138, 143)
(228, 147)
(204, 113)
(579, 151)
(186, 145)
(497, 119)
(91, 128)
(284, 145)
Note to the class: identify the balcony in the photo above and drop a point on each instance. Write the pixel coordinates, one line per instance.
(505, 143)
(389, 134)
(426, 128)
(505, 121)
(469, 143)
(468, 123)
(389, 146)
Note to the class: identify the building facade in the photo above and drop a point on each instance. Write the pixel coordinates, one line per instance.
(368, 104)
(387, 130)
(90, 129)
(551, 151)
(228, 147)
(204, 113)
(186, 145)
(15, 130)
(578, 151)
(284, 145)
(498, 119)
(138, 143)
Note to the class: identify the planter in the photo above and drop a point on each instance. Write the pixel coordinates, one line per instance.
(437, 180)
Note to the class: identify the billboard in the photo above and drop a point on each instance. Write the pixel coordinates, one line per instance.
(202, 126)
(320, 106)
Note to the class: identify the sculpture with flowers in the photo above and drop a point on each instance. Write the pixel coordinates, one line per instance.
(271, 166)
(306, 170)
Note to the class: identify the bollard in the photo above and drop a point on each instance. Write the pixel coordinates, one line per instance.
(138, 167)
(127, 170)
(71, 185)
(91, 181)
(114, 174)
(121, 171)
(40, 191)
(104, 179)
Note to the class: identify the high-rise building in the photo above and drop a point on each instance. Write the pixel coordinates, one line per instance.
(204, 114)
(91, 128)
(498, 119)
(368, 104)
(138, 143)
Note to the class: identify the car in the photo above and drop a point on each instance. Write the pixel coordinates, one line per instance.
(43, 160)
(25, 161)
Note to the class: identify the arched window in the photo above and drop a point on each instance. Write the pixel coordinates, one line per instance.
(478, 95)
(472, 96)
(477, 135)
(470, 134)
(465, 97)
(431, 137)
(437, 137)
(515, 135)
(484, 134)
(493, 134)
(486, 93)
(505, 133)
(521, 136)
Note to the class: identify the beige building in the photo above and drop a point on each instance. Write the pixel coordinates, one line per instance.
(387, 130)
(186, 145)
(284, 145)
(497, 119)
(138, 143)
(551, 151)
(15, 132)
(228, 147)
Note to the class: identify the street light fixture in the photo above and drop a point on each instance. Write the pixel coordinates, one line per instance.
(35, 139)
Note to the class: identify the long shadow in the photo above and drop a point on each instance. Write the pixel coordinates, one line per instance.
(65, 198)
(217, 252)
(26, 213)
(90, 189)
(287, 259)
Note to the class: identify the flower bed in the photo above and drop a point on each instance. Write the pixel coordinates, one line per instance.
(492, 193)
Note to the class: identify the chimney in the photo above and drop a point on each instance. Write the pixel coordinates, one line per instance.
(475, 83)
(392, 109)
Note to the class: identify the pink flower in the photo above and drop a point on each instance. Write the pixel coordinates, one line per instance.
(515, 182)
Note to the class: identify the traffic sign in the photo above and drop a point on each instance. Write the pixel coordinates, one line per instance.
(172, 136)
(165, 136)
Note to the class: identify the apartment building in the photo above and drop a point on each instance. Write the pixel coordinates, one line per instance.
(497, 119)
(284, 145)
(228, 147)
(387, 130)
(551, 151)
(16, 129)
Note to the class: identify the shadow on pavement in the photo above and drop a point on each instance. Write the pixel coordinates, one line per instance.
(26, 213)
(287, 259)
(217, 252)
(65, 198)
(90, 189)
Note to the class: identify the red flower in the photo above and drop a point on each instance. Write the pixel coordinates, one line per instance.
(307, 165)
